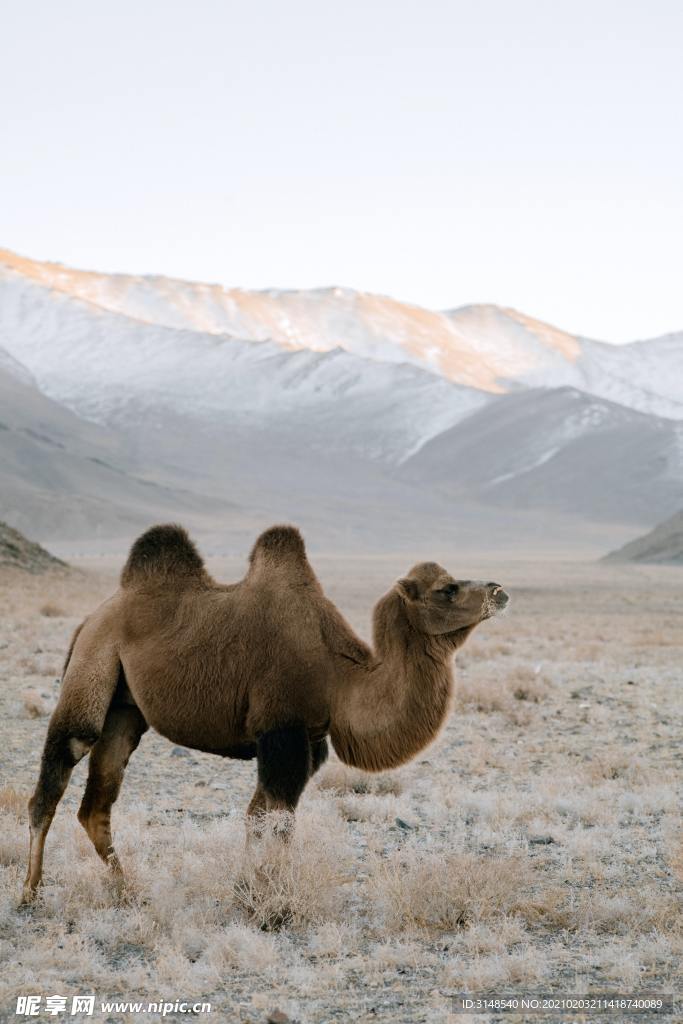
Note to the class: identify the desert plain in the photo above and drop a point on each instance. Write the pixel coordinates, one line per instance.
(534, 847)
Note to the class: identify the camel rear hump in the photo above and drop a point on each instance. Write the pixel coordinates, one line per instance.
(281, 548)
(163, 554)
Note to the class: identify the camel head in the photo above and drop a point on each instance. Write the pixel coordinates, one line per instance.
(438, 604)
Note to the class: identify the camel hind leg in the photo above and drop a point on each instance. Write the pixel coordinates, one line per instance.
(87, 690)
(60, 755)
(123, 728)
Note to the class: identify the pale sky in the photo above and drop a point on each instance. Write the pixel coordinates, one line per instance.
(524, 152)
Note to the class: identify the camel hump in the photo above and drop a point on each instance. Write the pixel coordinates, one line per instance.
(279, 544)
(162, 552)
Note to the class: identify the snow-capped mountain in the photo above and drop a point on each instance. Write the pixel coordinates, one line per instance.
(124, 372)
(357, 416)
(646, 375)
(484, 347)
(368, 326)
(559, 449)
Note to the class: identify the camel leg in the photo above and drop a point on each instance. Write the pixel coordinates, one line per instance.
(285, 764)
(123, 728)
(319, 753)
(61, 753)
(90, 679)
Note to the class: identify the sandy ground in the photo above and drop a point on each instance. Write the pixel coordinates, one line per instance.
(534, 848)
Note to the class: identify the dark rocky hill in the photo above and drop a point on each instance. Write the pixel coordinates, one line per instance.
(20, 553)
(663, 544)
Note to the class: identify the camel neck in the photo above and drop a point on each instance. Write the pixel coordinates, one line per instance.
(395, 707)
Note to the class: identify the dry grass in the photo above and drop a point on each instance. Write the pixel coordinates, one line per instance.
(12, 802)
(498, 693)
(36, 705)
(445, 891)
(299, 883)
(342, 779)
(536, 846)
(52, 611)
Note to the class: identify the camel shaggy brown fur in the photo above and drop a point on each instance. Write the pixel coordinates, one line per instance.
(264, 668)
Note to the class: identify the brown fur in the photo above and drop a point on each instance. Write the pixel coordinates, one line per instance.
(264, 668)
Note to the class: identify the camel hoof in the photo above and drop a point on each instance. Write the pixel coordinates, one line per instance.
(28, 898)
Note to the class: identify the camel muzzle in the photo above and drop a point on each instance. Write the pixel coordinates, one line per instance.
(499, 597)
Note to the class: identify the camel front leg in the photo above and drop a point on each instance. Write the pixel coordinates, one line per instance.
(285, 764)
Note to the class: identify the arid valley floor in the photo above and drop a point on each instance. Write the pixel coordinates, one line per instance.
(534, 848)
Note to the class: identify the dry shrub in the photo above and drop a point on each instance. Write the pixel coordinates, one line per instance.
(401, 953)
(498, 649)
(52, 611)
(621, 964)
(342, 779)
(528, 684)
(676, 856)
(632, 913)
(482, 694)
(445, 890)
(483, 938)
(628, 914)
(522, 967)
(499, 693)
(13, 830)
(332, 939)
(378, 809)
(299, 882)
(29, 665)
(12, 802)
(35, 705)
(613, 764)
(239, 946)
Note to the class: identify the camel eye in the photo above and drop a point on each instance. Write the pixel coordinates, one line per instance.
(451, 590)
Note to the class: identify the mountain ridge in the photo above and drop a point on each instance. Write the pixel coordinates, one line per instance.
(485, 347)
(353, 418)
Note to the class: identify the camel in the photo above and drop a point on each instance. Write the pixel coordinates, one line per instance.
(265, 668)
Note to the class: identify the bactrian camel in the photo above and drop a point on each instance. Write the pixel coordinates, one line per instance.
(265, 668)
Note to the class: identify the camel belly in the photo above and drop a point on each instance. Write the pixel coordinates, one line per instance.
(223, 716)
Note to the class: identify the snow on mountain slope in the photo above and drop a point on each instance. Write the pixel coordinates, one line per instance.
(645, 375)
(369, 326)
(559, 449)
(516, 345)
(113, 369)
(484, 347)
(61, 477)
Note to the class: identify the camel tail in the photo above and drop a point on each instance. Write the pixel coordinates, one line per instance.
(162, 553)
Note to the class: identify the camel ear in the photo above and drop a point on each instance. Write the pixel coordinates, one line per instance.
(408, 588)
